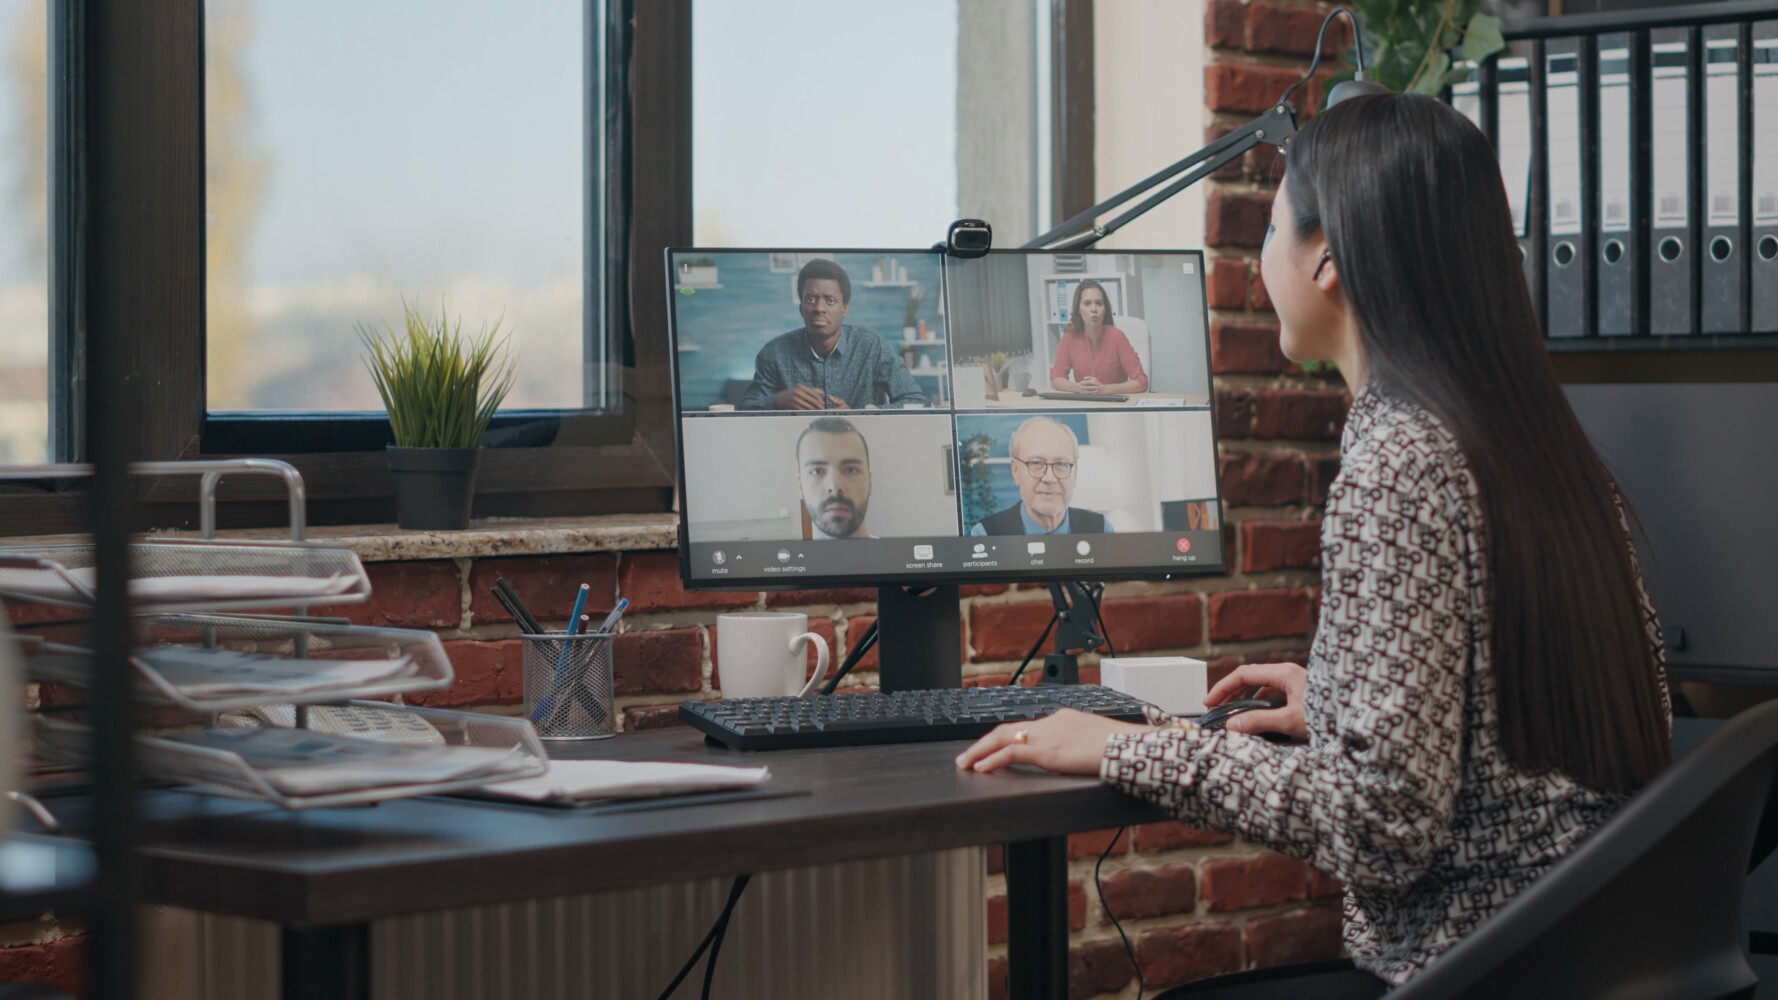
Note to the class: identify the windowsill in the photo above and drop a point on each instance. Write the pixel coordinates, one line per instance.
(483, 538)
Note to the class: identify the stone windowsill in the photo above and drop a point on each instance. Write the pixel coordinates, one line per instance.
(483, 538)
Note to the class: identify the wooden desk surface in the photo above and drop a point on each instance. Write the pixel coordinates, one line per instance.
(328, 866)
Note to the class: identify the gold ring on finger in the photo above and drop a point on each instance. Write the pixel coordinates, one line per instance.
(1021, 737)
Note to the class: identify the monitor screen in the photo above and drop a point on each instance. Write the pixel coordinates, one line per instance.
(900, 416)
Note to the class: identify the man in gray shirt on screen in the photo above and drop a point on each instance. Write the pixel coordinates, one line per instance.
(828, 365)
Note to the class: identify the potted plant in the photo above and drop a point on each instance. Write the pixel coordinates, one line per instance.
(997, 363)
(440, 390)
(1408, 43)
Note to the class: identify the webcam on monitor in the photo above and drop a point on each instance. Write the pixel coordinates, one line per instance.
(969, 238)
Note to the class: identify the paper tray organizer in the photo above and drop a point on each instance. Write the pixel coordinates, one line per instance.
(196, 575)
(70, 665)
(223, 773)
(203, 574)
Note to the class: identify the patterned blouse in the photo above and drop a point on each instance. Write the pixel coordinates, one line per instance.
(1403, 791)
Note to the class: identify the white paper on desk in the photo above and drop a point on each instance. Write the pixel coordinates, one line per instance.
(229, 586)
(303, 762)
(27, 581)
(587, 780)
(216, 672)
(50, 585)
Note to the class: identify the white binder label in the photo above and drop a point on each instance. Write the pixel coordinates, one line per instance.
(1765, 132)
(1614, 142)
(1668, 134)
(1515, 140)
(1466, 97)
(1722, 116)
(1564, 145)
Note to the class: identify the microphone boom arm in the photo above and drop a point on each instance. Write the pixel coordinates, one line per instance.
(1277, 126)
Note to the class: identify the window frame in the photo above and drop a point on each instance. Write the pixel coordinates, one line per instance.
(599, 463)
(613, 463)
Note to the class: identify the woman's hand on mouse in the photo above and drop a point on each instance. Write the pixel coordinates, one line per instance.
(1273, 680)
(1067, 742)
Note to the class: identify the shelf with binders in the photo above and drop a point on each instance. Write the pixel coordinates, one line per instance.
(1640, 155)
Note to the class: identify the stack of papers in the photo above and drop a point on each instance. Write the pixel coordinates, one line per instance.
(220, 673)
(381, 724)
(302, 762)
(589, 780)
(77, 585)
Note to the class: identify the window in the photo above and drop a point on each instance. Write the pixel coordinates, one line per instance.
(26, 347)
(361, 155)
(805, 135)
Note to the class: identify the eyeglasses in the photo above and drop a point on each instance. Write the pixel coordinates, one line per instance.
(1037, 467)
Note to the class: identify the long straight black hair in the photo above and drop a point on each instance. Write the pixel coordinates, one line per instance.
(1409, 198)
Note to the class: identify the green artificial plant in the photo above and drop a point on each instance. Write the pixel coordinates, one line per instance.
(440, 388)
(1408, 43)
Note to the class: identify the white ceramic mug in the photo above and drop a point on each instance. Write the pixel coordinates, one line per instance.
(763, 654)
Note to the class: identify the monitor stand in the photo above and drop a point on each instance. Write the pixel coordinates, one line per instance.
(919, 639)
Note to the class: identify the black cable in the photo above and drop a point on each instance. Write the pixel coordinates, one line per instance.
(734, 896)
(1315, 60)
(1140, 985)
(1099, 616)
(859, 648)
(1054, 617)
(714, 935)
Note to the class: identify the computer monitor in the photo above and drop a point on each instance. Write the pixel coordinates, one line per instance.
(910, 420)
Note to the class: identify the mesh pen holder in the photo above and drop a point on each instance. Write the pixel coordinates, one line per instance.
(568, 686)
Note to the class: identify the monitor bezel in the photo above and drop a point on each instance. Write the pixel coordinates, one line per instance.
(938, 577)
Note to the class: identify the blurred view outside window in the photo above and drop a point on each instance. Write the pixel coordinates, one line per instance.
(358, 154)
(819, 124)
(24, 233)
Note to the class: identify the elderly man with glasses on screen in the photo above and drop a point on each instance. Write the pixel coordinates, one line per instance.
(1045, 465)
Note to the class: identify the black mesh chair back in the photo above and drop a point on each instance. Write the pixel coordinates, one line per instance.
(1650, 905)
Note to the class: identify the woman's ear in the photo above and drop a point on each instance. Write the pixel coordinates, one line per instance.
(1326, 273)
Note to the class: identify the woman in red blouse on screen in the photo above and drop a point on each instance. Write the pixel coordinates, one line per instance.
(1094, 356)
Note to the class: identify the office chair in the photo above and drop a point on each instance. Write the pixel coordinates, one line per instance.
(1650, 905)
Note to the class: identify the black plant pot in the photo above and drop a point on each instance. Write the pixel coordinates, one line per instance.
(433, 486)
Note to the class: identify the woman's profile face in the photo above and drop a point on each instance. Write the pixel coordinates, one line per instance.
(1308, 313)
(1092, 307)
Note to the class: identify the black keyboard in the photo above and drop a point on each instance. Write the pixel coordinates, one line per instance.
(842, 720)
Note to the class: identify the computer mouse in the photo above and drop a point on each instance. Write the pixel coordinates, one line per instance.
(1030, 392)
(1221, 714)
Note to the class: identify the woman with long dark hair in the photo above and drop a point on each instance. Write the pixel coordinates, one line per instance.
(1486, 685)
(1094, 356)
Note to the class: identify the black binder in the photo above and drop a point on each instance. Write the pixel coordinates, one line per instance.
(1567, 262)
(1515, 140)
(1722, 261)
(1763, 261)
(1672, 223)
(1619, 257)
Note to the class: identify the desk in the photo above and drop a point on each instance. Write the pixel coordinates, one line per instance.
(324, 874)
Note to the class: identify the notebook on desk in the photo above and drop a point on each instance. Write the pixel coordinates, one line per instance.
(582, 784)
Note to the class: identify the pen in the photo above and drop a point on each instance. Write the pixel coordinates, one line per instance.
(525, 619)
(617, 612)
(553, 702)
(511, 609)
(575, 616)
